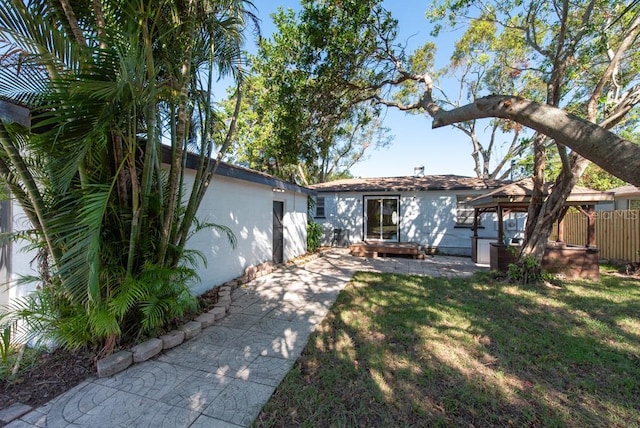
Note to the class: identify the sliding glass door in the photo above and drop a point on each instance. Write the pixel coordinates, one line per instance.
(381, 218)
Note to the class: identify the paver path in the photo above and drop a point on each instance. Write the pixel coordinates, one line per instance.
(222, 377)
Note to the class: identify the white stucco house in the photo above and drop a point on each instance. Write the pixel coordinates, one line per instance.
(268, 217)
(429, 210)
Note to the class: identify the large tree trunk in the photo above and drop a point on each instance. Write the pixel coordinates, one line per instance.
(537, 192)
(551, 209)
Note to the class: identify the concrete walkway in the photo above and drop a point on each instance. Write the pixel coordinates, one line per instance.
(223, 377)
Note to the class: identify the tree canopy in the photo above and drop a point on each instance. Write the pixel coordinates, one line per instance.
(582, 56)
(116, 89)
(302, 118)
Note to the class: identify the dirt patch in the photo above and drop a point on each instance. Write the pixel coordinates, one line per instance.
(52, 374)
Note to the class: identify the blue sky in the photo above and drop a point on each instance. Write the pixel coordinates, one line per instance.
(440, 151)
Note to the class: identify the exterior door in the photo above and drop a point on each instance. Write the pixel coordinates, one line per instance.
(278, 231)
(381, 221)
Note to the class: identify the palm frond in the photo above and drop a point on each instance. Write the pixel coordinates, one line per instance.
(85, 174)
(222, 229)
(127, 296)
(80, 264)
(28, 27)
(103, 322)
(35, 316)
(24, 86)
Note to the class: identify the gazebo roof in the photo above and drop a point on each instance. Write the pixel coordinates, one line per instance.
(518, 195)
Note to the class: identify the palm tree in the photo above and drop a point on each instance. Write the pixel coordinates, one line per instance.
(113, 85)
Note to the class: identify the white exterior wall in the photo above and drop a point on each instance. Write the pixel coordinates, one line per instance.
(247, 209)
(21, 262)
(620, 203)
(426, 217)
(342, 211)
(431, 219)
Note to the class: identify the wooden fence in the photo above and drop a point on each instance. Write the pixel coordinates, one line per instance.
(617, 233)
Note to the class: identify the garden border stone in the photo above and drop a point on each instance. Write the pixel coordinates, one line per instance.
(14, 411)
(172, 339)
(146, 350)
(114, 363)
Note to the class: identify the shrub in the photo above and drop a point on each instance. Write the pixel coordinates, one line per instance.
(314, 234)
(527, 270)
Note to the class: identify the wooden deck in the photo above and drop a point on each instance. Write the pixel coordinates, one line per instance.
(375, 249)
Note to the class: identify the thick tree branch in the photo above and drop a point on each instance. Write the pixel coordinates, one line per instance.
(612, 153)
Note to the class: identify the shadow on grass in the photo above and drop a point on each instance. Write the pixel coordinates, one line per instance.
(415, 351)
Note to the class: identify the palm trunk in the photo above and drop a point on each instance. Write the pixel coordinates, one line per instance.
(152, 143)
(196, 198)
(176, 163)
(199, 185)
(118, 160)
(31, 190)
(135, 198)
(72, 22)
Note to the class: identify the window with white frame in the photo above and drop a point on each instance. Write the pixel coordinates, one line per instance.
(464, 211)
(320, 207)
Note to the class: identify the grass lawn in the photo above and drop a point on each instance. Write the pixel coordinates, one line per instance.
(413, 351)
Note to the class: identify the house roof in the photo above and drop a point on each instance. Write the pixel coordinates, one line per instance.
(407, 183)
(518, 194)
(241, 173)
(233, 171)
(12, 112)
(626, 191)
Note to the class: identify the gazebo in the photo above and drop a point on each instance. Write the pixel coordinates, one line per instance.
(570, 261)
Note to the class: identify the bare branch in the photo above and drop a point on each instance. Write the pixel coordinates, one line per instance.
(613, 65)
(530, 33)
(511, 153)
(628, 100)
(396, 104)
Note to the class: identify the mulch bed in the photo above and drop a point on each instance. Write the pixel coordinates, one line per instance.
(58, 371)
(50, 376)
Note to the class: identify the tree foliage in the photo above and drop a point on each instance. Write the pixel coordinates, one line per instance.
(567, 70)
(302, 116)
(113, 87)
(485, 60)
